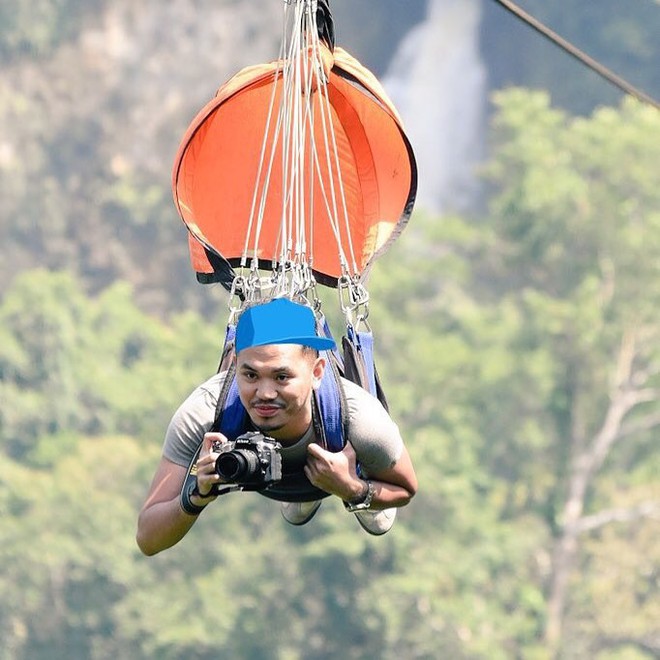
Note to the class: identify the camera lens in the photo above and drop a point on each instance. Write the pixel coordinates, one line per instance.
(237, 465)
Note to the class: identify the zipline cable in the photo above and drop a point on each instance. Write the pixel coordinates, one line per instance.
(572, 50)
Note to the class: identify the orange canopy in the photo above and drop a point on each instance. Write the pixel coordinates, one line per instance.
(216, 170)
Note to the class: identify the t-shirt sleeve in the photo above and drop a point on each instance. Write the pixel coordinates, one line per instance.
(190, 422)
(372, 432)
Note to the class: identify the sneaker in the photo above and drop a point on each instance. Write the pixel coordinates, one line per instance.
(299, 513)
(376, 522)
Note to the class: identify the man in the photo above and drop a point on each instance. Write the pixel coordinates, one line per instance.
(278, 369)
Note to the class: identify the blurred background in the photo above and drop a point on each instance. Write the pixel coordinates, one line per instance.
(517, 325)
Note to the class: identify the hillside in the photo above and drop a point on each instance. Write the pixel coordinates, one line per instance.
(95, 97)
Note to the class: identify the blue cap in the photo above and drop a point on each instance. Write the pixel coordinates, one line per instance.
(279, 321)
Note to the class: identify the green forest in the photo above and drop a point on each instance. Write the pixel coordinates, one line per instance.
(519, 349)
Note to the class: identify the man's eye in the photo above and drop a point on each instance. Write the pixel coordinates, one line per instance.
(283, 378)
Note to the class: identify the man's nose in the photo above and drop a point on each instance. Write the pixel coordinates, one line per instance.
(266, 390)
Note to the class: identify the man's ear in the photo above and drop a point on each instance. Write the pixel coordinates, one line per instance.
(317, 372)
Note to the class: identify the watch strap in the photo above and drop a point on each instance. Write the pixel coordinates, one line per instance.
(364, 501)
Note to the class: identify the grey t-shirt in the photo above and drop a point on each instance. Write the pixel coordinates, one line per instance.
(371, 431)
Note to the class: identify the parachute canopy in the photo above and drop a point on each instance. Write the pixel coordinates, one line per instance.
(320, 172)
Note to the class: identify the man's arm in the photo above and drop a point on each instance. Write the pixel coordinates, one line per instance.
(395, 486)
(162, 522)
(336, 473)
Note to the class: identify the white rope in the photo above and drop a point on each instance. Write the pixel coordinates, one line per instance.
(334, 181)
(302, 80)
(333, 166)
(262, 186)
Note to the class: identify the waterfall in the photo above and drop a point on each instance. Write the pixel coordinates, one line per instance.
(438, 83)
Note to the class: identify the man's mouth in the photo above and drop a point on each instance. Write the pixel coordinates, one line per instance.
(266, 410)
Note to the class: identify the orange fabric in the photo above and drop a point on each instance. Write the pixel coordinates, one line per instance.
(215, 169)
(200, 262)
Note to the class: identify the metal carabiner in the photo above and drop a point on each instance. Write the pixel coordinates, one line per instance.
(353, 300)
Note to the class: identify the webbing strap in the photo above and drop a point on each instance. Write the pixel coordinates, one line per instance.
(332, 407)
(358, 359)
(230, 334)
(364, 341)
(227, 357)
(325, 329)
(234, 414)
(230, 414)
(231, 418)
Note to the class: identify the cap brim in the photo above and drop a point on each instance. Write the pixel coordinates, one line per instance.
(319, 343)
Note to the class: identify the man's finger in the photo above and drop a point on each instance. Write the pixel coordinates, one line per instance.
(209, 439)
(316, 451)
(349, 451)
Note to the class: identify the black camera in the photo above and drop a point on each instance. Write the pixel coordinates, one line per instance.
(253, 461)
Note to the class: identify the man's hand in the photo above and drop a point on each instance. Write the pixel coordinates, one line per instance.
(334, 472)
(207, 477)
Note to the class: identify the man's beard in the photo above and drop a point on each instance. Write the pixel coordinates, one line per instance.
(267, 428)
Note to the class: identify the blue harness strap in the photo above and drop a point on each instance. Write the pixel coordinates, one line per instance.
(330, 395)
(324, 330)
(230, 415)
(332, 408)
(227, 356)
(330, 412)
(231, 418)
(363, 342)
(359, 364)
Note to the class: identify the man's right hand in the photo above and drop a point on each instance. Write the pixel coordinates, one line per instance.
(207, 476)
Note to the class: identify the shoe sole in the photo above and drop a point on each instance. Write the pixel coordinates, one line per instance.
(371, 531)
(304, 521)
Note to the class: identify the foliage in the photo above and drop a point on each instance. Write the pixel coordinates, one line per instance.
(577, 225)
(95, 95)
(502, 342)
(619, 34)
(40, 26)
(72, 365)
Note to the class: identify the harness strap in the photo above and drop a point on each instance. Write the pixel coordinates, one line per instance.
(330, 401)
(359, 364)
(231, 418)
(329, 406)
(228, 348)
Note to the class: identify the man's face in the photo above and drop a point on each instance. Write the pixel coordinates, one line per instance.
(275, 384)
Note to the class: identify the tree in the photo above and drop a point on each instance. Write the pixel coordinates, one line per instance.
(579, 231)
(70, 364)
(67, 548)
(618, 35)
(519, 356)
(41, 27)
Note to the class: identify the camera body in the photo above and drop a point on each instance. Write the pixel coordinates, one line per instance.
(252, 461)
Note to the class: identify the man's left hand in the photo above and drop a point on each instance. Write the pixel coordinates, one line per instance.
(334, 472)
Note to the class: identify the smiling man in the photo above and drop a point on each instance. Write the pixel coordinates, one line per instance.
(278, 371)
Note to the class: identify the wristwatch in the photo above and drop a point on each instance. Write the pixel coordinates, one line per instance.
(363, 501)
